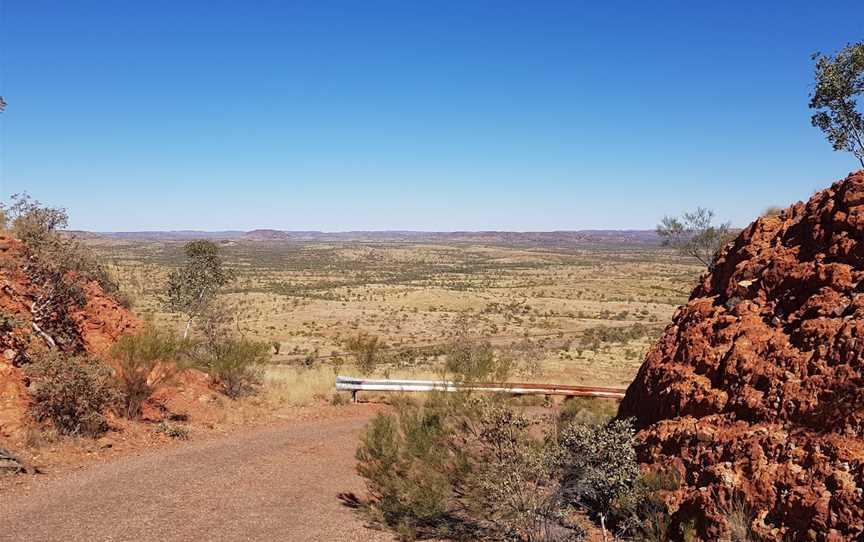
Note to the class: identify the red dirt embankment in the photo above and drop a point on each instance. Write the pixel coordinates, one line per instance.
(756, 389)
(97, 325)
(90, 328)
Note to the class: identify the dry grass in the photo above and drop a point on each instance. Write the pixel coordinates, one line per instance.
(296, 386)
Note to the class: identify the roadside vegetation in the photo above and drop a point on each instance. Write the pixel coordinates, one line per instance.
(467, 466)
(76, 392)
(72, 393)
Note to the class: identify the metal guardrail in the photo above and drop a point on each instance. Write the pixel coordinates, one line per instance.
(355, 384)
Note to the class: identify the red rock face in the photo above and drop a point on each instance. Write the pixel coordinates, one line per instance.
(756, 389)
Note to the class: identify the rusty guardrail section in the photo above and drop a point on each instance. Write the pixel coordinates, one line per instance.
(355, 384)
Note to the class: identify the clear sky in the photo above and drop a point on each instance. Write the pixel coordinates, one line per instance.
(427, 115)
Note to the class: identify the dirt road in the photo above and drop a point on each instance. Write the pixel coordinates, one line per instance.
(276, 483)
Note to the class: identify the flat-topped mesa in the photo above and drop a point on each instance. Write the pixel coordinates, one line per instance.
(756, 388)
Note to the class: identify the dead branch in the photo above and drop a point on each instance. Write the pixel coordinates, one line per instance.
(18, 465)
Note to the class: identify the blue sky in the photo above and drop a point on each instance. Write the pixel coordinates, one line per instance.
(413, 115)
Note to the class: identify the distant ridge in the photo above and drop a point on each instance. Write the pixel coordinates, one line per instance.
(647, 237)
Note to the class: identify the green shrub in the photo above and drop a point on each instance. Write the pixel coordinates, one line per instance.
(509, 484)
(459, 461)
(71, 392)
(145, 362)
(480, 465)
(599, 467)
(404, 461)
(642, 512)
(235, 365)
(587, 410)
(472, 360)
(50, 254)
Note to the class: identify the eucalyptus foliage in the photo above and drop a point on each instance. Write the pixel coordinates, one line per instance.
(193, 287)
(839, 86)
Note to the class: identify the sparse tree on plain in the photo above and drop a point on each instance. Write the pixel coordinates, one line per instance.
(695, 235)
(192, 288)
(839, 85)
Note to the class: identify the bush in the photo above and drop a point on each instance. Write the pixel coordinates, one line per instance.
(510, 484)
(37, 226)
(58, 265)
(458, 461)
(366, 350)
(405, 462)
(599, 467)
(71, 392)
(145, 362)
(642, 512)
(479, 464)
(586, 410)
(172, 430)
(234, 364)
(472, 360)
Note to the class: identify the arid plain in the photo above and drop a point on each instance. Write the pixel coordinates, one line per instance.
(574, 311)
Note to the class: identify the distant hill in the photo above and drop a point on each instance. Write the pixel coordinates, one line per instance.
(628, 237)
(179, 235)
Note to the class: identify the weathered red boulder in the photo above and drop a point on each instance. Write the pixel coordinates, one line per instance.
(755, 391)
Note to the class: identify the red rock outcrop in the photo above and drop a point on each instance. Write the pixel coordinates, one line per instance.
(755, 391)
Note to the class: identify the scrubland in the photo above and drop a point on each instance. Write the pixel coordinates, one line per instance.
(582, 314)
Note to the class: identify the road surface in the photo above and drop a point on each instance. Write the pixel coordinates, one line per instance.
(280, 482)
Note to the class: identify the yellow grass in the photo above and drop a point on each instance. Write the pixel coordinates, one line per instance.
(296, 386)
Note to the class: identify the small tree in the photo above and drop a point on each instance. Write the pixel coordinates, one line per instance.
(234, 363)
(509, 478)
(405, 461)
(695, 235)
(33, 223)
(839, 83)
(192, 288)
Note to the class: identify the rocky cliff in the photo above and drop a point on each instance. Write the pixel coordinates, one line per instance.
(755, 392)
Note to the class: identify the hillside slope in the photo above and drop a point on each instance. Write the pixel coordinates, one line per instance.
(25, 327)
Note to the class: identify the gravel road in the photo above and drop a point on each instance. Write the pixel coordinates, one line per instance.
(276, 483)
